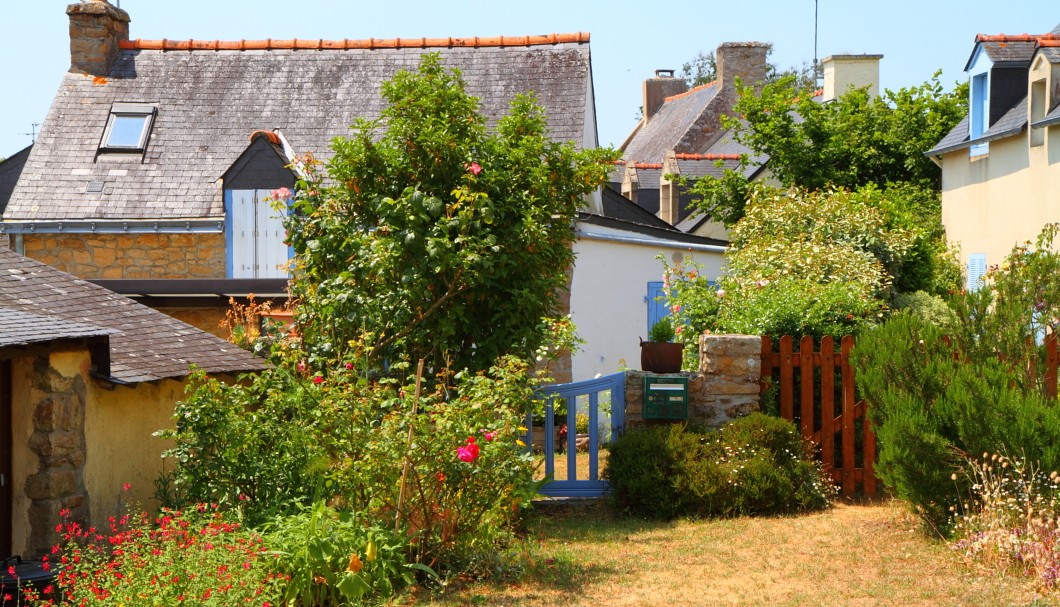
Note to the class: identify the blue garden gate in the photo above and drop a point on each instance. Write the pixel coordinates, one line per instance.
(603, 397)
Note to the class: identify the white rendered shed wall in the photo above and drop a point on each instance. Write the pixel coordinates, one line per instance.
(608, 302)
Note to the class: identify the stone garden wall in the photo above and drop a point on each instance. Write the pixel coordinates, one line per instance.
(727, 385)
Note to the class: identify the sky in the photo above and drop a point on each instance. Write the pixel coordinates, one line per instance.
(629, 40)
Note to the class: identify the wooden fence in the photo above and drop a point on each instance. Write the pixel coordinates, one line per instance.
(815, 389)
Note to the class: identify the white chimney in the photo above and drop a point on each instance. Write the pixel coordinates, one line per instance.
(843, 72)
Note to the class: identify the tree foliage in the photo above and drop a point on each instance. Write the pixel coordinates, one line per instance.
(850, 142)
(433, 237)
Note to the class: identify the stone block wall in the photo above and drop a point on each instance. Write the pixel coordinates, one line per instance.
(115, 256)
(727, 385)
(58, 398)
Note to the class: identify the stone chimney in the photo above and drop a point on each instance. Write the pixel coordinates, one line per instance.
(670, 190)
(96, 27)
(841, 72)
(657, 89)
(744, 60)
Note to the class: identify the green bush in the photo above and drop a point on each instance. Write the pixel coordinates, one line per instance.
(755, 465)
(939, 396)
(334, 558)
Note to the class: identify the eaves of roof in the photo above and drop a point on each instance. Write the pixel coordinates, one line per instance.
(1012, 123)
(675, 238)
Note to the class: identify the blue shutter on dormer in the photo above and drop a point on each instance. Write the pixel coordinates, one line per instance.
(976, 271)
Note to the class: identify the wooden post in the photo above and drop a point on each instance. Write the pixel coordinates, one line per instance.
(828, 417)
(787, 377)
(846, 345)
(806, 389)
(408, 447)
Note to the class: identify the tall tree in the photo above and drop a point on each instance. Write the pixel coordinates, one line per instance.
(433, 237)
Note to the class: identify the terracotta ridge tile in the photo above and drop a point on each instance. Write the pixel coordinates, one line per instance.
(1049, 43)
(271, 136)
(690, 91)
(647, 165)
(686, 156)
(370, 43)
(1014, 37)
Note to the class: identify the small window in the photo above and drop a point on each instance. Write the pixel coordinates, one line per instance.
(128, 127)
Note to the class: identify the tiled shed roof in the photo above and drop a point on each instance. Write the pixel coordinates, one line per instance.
(209, 101)
(145, 345)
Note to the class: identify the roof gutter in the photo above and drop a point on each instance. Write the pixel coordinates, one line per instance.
(112, 226)
(650, 242)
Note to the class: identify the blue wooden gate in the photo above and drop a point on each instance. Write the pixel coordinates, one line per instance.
(603, 397)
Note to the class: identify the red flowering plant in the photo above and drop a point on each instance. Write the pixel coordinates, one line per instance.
(195, 558)
(465, 472)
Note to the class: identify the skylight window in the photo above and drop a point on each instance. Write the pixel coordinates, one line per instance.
(128, 127)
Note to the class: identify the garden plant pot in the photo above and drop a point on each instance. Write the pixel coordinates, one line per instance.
(660, 356)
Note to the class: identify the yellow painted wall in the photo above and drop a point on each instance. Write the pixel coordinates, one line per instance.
(995, 201)
(118, 427)
(119, 422)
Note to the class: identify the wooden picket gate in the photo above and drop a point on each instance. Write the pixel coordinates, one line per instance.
(808, 393)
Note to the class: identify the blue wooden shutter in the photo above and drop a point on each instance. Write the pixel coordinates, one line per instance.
(241, 223)
(657, 306)
(271, 252)
(976, 271)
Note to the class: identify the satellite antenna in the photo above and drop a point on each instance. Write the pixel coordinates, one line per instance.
(32, 133)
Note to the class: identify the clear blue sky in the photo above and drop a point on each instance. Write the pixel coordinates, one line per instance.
(629, 39)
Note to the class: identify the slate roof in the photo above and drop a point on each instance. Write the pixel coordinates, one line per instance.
(1011, 123)
(10, 170)
(145, 345)
(617, 206)
(669, 124)
(209, 102)
(19, 328)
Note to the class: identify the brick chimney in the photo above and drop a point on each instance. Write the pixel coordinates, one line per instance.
(96, 27)
(841, 72)
(743, 60)
(657, 89)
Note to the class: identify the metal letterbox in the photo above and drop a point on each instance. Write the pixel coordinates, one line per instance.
(665, 397)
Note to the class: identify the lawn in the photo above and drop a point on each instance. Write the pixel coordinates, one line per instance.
(850, 555)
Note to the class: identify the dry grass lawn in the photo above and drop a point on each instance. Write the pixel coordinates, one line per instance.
(851, 555)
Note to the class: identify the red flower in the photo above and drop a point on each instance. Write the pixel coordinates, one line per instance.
(473, 168)
(317, 379)
(349, 366)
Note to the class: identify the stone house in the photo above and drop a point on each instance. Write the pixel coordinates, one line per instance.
(86, 376)
(150, 168)
(681, 131)
(149, 171)
(1004, 156)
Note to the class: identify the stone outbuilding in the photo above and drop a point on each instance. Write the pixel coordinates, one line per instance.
(86, 377)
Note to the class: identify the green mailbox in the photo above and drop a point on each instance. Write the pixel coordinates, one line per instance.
(665, 397)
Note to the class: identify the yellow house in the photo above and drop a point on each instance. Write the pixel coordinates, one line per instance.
(1001, 164)
(86, 377)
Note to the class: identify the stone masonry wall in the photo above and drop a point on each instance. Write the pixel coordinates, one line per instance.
(58, 440)
(727, 385)
(113, 256)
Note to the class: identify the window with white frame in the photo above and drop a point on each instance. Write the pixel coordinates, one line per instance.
(128, 127)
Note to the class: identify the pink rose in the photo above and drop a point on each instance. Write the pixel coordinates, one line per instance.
(281, 194)
(678, 330)
(474, 168)
(490, 436)
(349, 366)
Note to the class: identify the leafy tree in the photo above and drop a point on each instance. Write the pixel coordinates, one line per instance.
(433, 237)
(849, 142)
